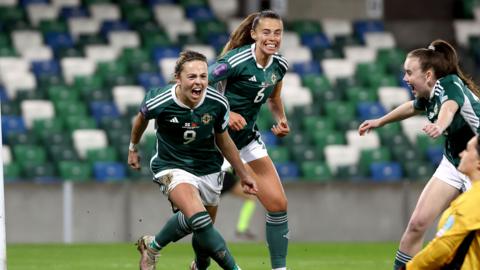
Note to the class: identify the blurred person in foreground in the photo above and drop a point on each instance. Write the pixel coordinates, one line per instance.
(191, 120)
(457, 242)
(451, 103)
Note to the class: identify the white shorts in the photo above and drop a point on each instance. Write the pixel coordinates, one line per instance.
(447, 172)
(209, 186)
(256, 149)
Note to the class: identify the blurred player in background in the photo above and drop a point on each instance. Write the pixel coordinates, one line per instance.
(232, 185)
(451, 103)
(249, 72)
(457, 243)
(191, 122)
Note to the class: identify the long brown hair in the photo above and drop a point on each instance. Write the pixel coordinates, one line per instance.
(442, 58)
(241, 36)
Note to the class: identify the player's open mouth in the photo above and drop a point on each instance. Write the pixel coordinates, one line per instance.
(196, 92)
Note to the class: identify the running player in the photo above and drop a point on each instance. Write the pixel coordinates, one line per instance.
(191, 122)
(249, 72)
(451, 103)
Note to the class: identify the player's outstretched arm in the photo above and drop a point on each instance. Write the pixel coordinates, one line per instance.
(139, 126)
(403, 111)
(230, 152)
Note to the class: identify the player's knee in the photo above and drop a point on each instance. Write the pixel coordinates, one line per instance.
(277, 204)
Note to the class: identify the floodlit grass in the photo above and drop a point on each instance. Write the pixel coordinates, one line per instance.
(250, 256)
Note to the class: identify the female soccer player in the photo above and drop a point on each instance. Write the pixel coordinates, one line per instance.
(457, 243)
(191, 122)
(451, 103)
(249, 72)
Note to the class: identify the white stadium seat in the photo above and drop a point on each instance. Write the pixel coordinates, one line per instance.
(124, 39)
(413, 126)
(380, 40)
(167, 68)
(36, 109)
(464, 29)
(125, 95)
(360, 54)
(42, 53)
(336, 27)
(87, 139)
(206, 50)
(168, 13)
(76, 66)
(224, 9)
(102, 53)
(6, 154)
(370, 140)
(105, 12)
(66, 3)
(38, 12)
(15, 82)
(290, 40)
(390, 96)
(79, 26)
(338, 68)
(8, 3)
(186, 27)
(297, 55)
(24, 39)
(341, 155)
(296, 96)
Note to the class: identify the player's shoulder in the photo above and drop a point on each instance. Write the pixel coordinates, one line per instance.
(158, 96)
(213, 95)
(280, 61)
(448, 82)
(238, 55)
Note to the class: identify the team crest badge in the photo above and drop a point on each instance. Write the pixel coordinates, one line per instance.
(273, 78)
(206, 118)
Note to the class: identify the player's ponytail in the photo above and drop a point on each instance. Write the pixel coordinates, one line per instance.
(242, 36)
(442, 58)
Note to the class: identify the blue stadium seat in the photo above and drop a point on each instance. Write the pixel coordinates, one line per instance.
(199, 13)
(269, 138)
(315, 40)
(164, 52)
(288, 171)
(360, 28)
(218, 40)
(109, 171)
(103, 109)
(3, 94)
(307, 68)
(153, 3)
(386, 171)
(369, 110)
(25, 3)
(149, 80)
(109, 25)
(41, 68)
(12, 124)
(434, 154)
(73, 12)
(57, 40)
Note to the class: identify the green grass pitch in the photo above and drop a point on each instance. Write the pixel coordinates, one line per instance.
(250, 256)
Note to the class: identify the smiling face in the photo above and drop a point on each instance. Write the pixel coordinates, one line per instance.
(192, 82)
(268, 36)
(419, 81)
(470, 161)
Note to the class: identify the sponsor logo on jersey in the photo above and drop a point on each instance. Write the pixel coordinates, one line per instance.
(190, 125)
(174, 120)
(206, 118)
(253, 79)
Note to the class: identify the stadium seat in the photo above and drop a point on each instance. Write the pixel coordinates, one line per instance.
(370, 110)
(367, 141)
(287, 171)
(336, 27)
(150, 80)
(391, 97)
(380, 40)
(279, 154)
(369, 156)
(76, 66)
(45, 68)
(269, 138)
(315, 40)
(386, 171)
(337, 68)
(103, 109)
(418, 171)
(362, 27)
(307, 68)
(38, 12)
(360, 54)
(413, 126)
(86, 139)
(78, 26)
(435, 155)
(109, 171)
(315, 171)
(168, 13)
(102, 53)
(11, 171)
(29, 154)
(74, 171)
(36, 109)
(224, 9)
(297, 55)
(341, 155)
(102, 154)
(12, 124)
(125, 96)
(104, 11)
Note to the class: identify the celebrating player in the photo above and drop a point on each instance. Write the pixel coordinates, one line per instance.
(451, 103)
(249, 73)
(191, 122)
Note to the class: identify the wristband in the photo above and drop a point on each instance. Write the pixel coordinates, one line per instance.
(132, 147)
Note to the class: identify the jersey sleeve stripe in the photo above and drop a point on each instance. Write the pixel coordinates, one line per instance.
(160, 102)
(225, 104)
(282, 62)
(157, 97)
(242, 60)
(238, 55)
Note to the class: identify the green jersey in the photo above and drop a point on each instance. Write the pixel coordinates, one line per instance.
(246, 85)
(465, 123)
(186, 136)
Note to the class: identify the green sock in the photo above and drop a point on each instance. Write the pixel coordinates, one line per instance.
(202, 260)
(277, 238)
(175, 229)
(246, 214)
(211, 241)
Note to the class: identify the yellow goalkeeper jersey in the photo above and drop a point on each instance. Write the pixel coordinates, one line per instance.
(462, 217)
